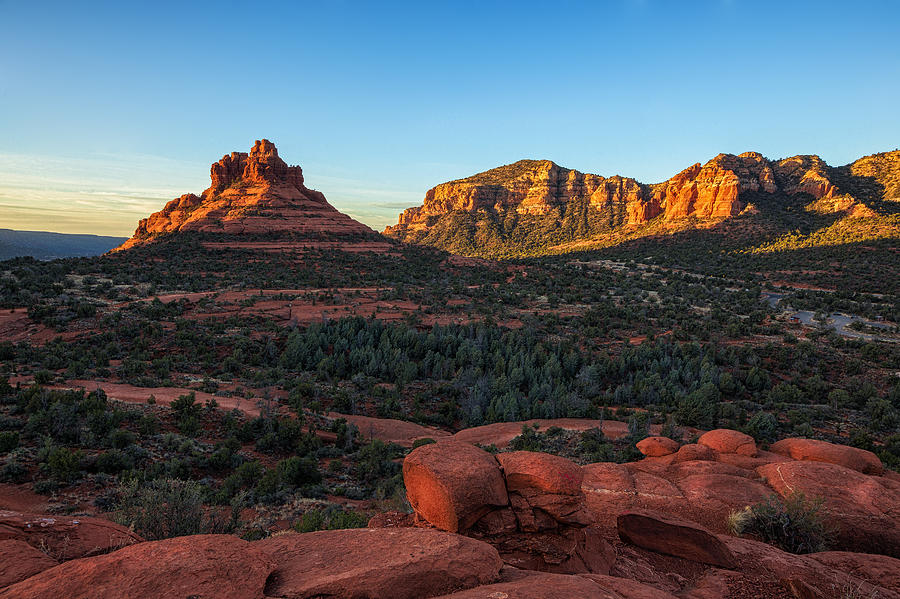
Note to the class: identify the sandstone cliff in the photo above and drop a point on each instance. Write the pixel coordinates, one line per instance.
(249, 193)
(534, 200)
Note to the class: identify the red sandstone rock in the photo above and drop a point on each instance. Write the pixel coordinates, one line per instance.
(724, 440)
(452, 484)
(65, 538)
(864, 509)
(534, 471)
(822, 451)
(657, 446)
(673, 537)
(757, 559)
(715, 496)
(202, 566)
(879, 570)
(557, 586)
(249, 193)
(398, 563)
(19, 560)
(694, 451)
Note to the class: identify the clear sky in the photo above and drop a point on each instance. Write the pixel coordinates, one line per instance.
(109, 110)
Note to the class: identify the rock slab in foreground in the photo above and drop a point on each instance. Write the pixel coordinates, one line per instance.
(674, 537)
(395, 563)
(65, 538)
(199, 567)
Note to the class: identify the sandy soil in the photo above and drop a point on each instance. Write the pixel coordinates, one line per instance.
(390, 430)
(501, 433)
(20, 498)
(163, 395)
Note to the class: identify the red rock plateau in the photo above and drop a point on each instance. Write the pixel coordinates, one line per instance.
(719, 189)
(513, 525)
(253, 193)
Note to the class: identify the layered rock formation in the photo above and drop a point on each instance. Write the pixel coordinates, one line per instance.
(249, 193)
(533, 199)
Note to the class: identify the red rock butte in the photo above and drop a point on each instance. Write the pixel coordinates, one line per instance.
(253, 193)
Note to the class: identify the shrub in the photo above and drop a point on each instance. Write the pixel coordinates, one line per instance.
(762, 426)
(9, 440)
(164, 508)
(332, 518)
(793, 524)
(63, 464)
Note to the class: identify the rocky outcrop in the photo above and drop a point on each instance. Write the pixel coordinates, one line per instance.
(249, 193)
(528, 505)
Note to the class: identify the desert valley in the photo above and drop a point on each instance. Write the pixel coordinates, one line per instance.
(450, 300)
(686, 389)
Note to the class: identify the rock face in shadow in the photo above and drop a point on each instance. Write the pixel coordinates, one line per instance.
(253, 193)
(674, 537)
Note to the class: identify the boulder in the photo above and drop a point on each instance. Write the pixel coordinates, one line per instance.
(200, 567)
(397, 563)
(64, 538)
(656, 447)
(452, 484)
(865, 510)
(541, 483)
(877, 569)
(724, 440)
(673, 537)
(21, 560)
(822, 451)
(544, 472)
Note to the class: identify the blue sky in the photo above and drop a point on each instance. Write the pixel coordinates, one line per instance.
(108, 110)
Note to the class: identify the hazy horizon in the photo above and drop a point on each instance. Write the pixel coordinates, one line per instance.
(109, 111)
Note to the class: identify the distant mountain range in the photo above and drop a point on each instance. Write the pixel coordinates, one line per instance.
(535, 207)
(47, 246)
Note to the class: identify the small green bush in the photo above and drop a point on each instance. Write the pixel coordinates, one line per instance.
(9, 440)
(794, 523)
(166, 508)
(64, 464)
(332, 518)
